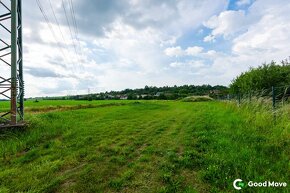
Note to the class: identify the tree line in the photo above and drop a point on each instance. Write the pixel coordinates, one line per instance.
(153, 92)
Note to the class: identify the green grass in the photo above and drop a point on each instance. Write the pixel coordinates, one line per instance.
(148, 146)
(46, 105)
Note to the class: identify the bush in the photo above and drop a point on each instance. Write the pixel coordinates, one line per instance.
(262, 78)
(197, 99)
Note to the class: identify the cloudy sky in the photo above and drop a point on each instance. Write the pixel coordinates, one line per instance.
(118, 44)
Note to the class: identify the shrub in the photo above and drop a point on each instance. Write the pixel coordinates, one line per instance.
(197, 99)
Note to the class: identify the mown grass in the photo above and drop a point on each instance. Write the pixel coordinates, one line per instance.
(146, 147)
(42, 105)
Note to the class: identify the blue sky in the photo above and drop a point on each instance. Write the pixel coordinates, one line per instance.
(132, 43)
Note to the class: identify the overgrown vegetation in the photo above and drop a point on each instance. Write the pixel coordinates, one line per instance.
(148, 146)
(262, 78)
(197, 99)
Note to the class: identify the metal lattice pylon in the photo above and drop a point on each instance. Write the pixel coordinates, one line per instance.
(12, 88)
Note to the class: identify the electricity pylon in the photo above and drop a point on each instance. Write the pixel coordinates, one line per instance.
(11, 56)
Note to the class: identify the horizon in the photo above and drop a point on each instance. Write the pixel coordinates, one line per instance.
(107, 91)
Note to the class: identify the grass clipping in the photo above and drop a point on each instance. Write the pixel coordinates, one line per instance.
(197, 99)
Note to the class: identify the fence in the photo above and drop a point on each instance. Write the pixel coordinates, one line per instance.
(275, 96)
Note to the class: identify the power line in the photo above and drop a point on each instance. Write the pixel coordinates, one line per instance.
(50, 27)
(56, 20)
(73, 40)
(73, 16)
(75, 26)
(74, 37)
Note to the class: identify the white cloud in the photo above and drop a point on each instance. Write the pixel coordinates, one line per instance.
(268, 38)
(243, 2)
(174, 51)
(209, 38)
(127, 42)
(189, 65)
(176, 64)
(197, 64)
(211, 53)
(261, 36)
(194, 12)
(195, 50)
(226, 24)
(189, 51)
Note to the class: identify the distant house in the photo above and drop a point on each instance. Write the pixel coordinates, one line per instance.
(124, 97)
(215, 92)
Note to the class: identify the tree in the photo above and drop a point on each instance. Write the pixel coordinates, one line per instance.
(162, 97)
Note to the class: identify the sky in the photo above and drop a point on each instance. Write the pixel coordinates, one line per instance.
(103, 45)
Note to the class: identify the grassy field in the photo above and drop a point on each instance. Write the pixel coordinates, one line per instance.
(48, 105)
(145, 146)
